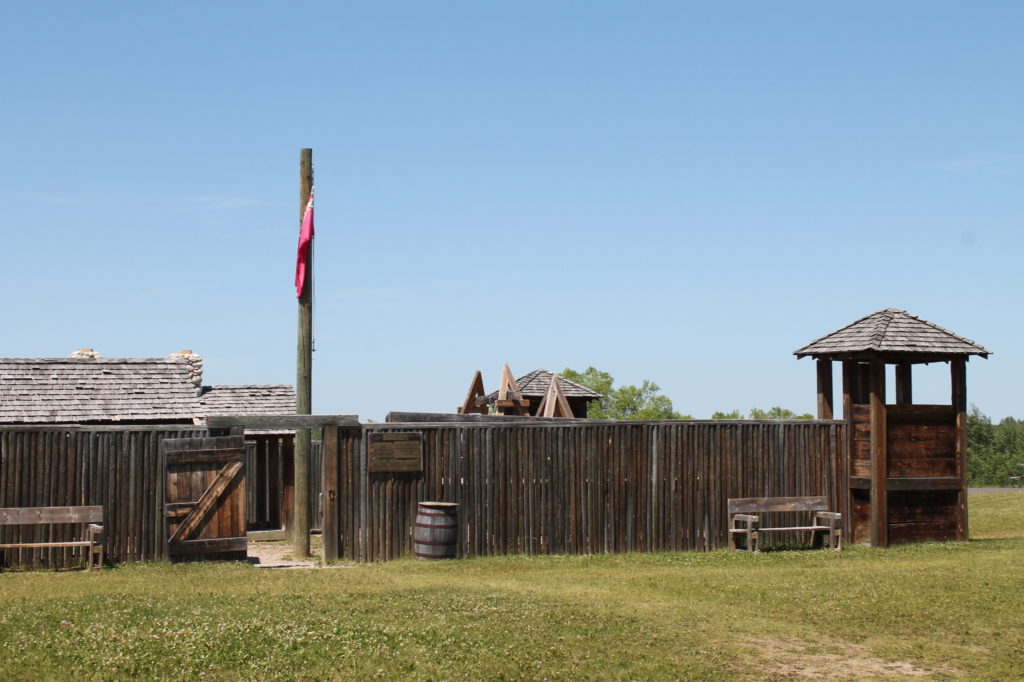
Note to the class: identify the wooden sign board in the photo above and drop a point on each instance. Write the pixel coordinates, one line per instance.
(398, 452)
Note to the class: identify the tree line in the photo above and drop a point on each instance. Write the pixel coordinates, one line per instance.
(995, 452)
(645, 401)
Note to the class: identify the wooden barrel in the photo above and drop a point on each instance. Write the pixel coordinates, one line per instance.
(437, 530)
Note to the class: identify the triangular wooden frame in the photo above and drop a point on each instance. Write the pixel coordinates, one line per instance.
(476, 399)
(510, 400)
(554, 403)
(507, 388)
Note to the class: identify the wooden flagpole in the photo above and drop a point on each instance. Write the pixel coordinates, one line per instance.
(304, 373)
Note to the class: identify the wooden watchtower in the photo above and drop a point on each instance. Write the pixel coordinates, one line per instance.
(907, 472)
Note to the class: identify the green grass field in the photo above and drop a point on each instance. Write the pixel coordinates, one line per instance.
(930, 611)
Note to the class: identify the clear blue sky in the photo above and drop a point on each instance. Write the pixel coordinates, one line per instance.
(675, 191)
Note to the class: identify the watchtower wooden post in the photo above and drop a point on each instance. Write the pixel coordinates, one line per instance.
(907, 473)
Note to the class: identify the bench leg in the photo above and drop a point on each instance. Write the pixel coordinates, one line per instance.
(96, 558)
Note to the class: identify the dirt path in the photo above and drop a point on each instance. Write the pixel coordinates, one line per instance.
(279, 555)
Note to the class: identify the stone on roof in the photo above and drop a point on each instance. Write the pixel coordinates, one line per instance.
(535, 385)
(895, 332)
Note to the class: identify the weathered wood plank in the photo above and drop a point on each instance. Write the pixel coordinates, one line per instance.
(206, 501)
(45, 515)
(209, 546)
(283, 422)
(778, 504)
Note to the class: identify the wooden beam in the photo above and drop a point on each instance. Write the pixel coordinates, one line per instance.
(825, 393)
(206, 501)
(303, 372)
(904, 384)
(923, 483)
(554, 403)
(208, 546)
(446, 418)
(848, 433)
(508, 390)
(329, 523)
(285, 422)
(40, 515)
(473, 404)
(879, 468)
(958, 376)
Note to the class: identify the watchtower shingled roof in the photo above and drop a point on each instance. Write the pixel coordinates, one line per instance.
(892, 331)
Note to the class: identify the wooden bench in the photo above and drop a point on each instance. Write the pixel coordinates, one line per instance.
(745, 522)
(90, 519)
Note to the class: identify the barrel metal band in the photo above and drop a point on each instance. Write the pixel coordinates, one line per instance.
(434, 543)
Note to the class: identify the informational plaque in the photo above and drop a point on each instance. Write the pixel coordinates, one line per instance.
(398, 452)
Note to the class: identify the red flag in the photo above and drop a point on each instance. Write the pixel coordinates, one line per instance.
(305, 240)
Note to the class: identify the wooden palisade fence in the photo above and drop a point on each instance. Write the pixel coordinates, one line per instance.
(119, 468)
(575, 488)
(534, 488)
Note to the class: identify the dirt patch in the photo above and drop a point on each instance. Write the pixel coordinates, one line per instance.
(832, 661)
(281, 555)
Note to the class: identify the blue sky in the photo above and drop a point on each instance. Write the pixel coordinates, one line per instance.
(682, 192)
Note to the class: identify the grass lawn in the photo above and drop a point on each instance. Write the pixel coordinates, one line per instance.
(935, 610)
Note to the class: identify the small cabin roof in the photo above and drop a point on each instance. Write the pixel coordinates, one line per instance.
(892, 333)
(535, 385)
(68, 390)
(247, 399)
(100, 390)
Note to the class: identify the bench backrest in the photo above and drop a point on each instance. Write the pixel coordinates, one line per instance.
(25, 516)
(748, 505)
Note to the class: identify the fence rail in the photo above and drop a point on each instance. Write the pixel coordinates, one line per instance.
(582, 488)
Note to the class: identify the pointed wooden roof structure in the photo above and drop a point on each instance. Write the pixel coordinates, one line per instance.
(554, 403)
(476, 399)
(510, 399)
(892, 333)
(536, 383)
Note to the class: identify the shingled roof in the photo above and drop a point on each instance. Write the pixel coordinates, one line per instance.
(232, 400)
(80, 390)
(102, 390)
(895, 332)
(535, 385)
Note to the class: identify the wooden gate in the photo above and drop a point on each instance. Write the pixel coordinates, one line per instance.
(205, 498)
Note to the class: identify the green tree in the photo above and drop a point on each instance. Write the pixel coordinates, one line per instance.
(994, 451)
(626, 402)
(735, 414)
(757, 413)
(777, 413)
